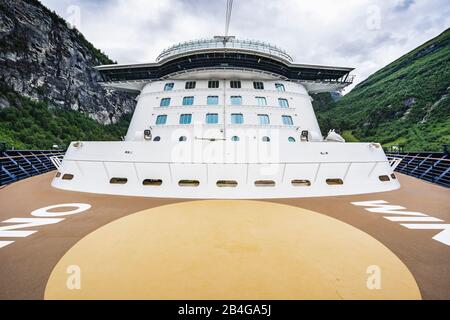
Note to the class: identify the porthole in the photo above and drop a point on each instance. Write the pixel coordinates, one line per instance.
(301, 183)
(182, 139)
(118, 181)
(266, 139)
(235, 139)
(265, 183)
(393, 176)
(58, 174)
(384, 178)
(152, 182)
(157, 139)
(227, 184)
(189, 183)
(291, 139)
(335, 182)
(68, 176)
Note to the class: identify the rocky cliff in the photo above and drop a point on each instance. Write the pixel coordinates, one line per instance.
(43, 59)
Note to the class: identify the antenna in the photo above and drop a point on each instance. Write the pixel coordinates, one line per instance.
(228, 16)
(225, 38)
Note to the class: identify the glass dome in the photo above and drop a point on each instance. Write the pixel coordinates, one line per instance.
(227, 43)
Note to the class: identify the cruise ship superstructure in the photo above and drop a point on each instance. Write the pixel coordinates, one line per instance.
(225, 119)
(220, 126)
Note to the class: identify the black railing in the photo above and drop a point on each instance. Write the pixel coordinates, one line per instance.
(18, 165)
(431, 167)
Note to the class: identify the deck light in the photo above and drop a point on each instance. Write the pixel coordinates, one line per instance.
(148, 135)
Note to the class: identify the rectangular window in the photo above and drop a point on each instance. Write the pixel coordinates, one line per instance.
(236, 100)
(283, 103)
(169, 86)
(161, 120)
(186, 119)
(212, 118)
(212, 100)
(191, 85)
(165, 102)
(188, 101)
(258, 85)
(263, 119)
(237, 118)
(213, 84)
(261, 101)
(235, 84)
(280, 87)
(287, 120)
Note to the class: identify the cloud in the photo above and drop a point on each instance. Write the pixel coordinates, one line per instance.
(404, 5)
(365, 34)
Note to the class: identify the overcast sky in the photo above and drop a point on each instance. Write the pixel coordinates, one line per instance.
(364, 34)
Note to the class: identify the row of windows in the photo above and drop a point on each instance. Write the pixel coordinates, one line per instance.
(227, 183)
(233, 138)
(236, 118)
(234, 100)
(214, 84)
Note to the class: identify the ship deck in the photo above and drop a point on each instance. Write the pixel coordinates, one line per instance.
(144, 248)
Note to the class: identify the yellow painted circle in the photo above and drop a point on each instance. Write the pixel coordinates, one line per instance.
(229, 250)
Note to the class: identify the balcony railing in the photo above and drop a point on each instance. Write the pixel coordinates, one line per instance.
(218, 43)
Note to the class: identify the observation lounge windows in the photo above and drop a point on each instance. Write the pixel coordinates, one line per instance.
(212, 118)
(188, 101)
(190, 85)
(283, 103)
(287, 120)
(213, 84)
(161, 119)
(237, 118)
(186, 119)
(280, 87)
(235, 85)
(212, 100)
(258, 85)
(236, 100)
(165, 102)
(169, 86)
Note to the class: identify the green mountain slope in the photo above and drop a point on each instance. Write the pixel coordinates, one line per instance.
(27, 124)
(406, 103)
(47, 69)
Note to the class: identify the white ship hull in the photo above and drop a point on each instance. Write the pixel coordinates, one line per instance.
(172, 170)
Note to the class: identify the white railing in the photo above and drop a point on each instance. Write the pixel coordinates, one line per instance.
(57, 161)
(232, 43)
(394, 162)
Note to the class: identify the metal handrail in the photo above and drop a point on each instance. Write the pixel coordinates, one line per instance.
(32, 155)
(417, 157)
(251, 45)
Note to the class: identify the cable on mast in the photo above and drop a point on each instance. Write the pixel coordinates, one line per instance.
(228, 16)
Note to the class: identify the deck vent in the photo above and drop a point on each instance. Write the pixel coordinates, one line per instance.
(301, 183)
(118, 181)
(189, 183)
(68, 176)
(384, 178)
(152, 182)
(265, 183)
(227, 184)
(335, 182)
